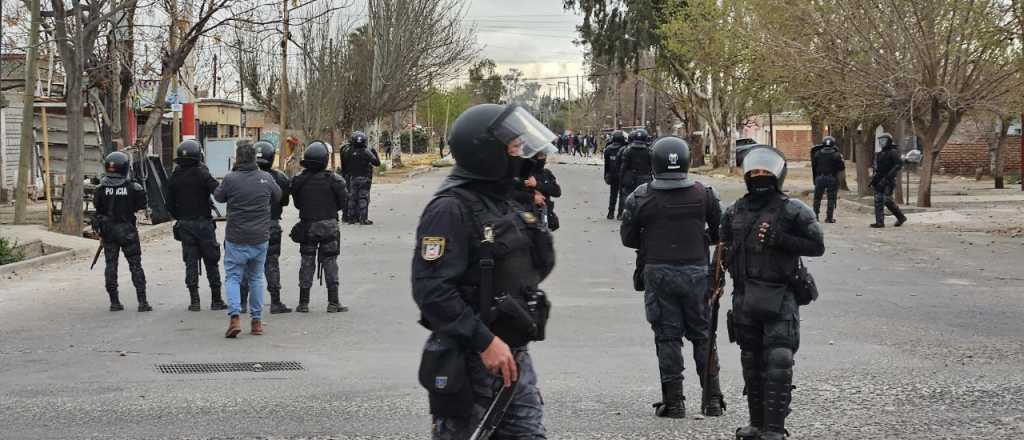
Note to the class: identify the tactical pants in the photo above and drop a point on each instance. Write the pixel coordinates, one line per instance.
(614, 194)
(827, 185)
(320, 250)
(766, 354)
(272, 265)
(199, 242)
(676, 308)
(128, 243)
(524, 418)
(359, 198)
(883, 198)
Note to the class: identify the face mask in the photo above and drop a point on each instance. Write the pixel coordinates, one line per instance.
(761, 186)
(539, 163)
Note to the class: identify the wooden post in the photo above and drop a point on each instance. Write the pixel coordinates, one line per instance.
(46, 171)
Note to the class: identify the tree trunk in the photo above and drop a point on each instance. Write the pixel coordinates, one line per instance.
(71, 207)
(865, 159)
(396, 127)
(817, 130)
(997, 153)
(158, 109)
(27, 120)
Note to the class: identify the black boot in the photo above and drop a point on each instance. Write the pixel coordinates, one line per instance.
(673, 404)
(878, 225)
(333, 303)
(715, 405)
(900, 220)
(753, 380)
(193, 298)
(143, 305)
(115, 303)
(777, 396)
(303, 301)
(276, 306)
(244, 300)
(216, 303)
(611, 215)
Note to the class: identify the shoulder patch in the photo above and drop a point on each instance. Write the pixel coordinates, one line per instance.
(528, 217)
(432, 248)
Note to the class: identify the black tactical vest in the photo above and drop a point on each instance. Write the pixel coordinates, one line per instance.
(756, 261)
(674, 226)
(191, 195)
(517, 263)
(826, 161)
(315, 194)
(639, 159)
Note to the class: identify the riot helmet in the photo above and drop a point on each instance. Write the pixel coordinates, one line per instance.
(639, 135)
(886, 141)
(358, 139)
(116, 164)
(188, 153)
(481, 136)
(828, 141)
(265, 152)
(316, 156)
(764, 169)
(671, 163)
(619, 137)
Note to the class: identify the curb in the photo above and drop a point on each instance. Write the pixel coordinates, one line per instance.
(71, 254)
(419, 171)
(870, 209)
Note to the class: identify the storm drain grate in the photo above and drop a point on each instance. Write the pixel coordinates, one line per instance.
(228, 367)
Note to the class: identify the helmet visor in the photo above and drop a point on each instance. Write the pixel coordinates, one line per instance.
(516, 124)
(764, 158)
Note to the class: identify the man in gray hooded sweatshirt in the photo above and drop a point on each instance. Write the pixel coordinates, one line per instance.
(248, 192)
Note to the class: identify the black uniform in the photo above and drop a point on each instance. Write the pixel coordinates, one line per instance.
(318, 195)
(476, 270)
(611, 178)
(634, 167)
(188, 200)
(116, 200)
(887, 167)
(765, 318)
(826, 164)
(343, 172)
(272, 266)
(359, 162)
(447, 279)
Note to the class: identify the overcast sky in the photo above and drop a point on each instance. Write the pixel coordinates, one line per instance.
(535, 36)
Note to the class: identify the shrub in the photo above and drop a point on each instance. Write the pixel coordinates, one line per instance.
(8, 253)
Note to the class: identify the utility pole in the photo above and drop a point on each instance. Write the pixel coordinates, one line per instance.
(214, 95)
(283, 90)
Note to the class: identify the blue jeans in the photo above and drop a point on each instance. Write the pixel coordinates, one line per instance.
(245, 262)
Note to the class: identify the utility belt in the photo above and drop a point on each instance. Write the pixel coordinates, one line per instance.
(519, 318)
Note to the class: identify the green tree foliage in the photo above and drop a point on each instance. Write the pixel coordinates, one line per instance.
(485, 82)
(620, 30)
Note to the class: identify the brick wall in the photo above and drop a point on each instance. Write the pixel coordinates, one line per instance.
(794, 144)
(966, 155)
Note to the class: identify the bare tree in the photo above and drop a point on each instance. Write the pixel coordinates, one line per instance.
(414, 43)
(928, 61)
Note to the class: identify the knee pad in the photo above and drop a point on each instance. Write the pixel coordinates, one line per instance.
(749, 361)
(779, 364)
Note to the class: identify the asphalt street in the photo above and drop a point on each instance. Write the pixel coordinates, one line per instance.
(917, 335)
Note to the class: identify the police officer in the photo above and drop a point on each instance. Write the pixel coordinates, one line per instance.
(611, 173)
(765, 234)
(359, 162)
(672, 221)
(188, 200)
(887, 167)
(478, 262)
(116, 200)
(319, 194)
(826, 164)
(635, 164)
(265, 152)
(343, 171)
